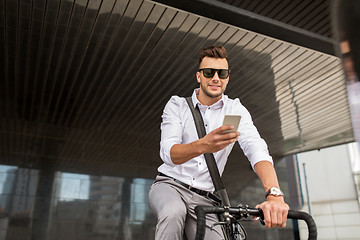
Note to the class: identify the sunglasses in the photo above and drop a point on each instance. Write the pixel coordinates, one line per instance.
(210, 72)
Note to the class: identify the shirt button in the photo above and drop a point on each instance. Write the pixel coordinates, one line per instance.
(205, 125)
(193, 178)
(208, 107)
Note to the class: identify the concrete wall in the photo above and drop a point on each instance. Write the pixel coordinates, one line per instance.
(332, 192)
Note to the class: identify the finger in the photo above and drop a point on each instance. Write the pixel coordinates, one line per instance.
(224, 128)
(225, 143)
(274, 219)
(231, 135)
(284, 218)
(267, 218)
(279, 219)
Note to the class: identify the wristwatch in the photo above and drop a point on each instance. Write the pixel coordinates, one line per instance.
(274, 191)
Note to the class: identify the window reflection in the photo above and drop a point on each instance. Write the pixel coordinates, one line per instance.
(17, 189)
(6, 178)
(140, 188)
(78, 206)
(74, 186)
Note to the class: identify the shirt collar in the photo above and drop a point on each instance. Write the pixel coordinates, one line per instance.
(218, 104)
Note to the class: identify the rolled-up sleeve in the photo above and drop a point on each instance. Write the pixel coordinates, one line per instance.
(171, 129)
(253, 146)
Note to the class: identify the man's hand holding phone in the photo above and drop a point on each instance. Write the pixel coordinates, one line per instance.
(222, 136)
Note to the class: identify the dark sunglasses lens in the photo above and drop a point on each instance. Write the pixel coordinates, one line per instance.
(223, 73)
(209, 72)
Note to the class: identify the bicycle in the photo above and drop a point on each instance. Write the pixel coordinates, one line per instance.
(233, 230)
(230, 216)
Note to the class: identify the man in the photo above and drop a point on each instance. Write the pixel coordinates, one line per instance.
(184, 180)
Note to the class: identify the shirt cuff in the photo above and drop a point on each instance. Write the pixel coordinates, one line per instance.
(165, 153)
(258, 157)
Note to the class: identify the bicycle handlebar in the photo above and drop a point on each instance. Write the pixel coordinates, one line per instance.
(244, 212)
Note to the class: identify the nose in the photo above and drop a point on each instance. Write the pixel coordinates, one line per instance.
(216, 77)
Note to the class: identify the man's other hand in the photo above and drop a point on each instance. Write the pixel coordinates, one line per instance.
(275, 211)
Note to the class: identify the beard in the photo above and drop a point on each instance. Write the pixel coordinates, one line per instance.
(210, 94)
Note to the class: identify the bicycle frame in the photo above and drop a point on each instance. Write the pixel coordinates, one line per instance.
(236, 214)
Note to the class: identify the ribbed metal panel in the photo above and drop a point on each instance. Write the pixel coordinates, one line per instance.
(87, 80)
(310, 15)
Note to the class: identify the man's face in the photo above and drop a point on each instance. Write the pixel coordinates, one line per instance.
(212, 87)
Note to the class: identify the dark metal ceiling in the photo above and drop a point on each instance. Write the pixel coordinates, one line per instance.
(84, 82)
(309, 15)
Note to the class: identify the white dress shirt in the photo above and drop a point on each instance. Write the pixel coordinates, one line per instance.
(178, 127)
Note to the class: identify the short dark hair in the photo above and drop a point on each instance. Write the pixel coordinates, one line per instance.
(213, 52)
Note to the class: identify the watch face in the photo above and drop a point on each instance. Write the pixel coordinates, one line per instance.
(275, 191)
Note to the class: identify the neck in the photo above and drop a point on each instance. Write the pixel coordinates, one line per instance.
(206, 100)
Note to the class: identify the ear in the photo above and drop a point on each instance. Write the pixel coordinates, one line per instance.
(198, 77)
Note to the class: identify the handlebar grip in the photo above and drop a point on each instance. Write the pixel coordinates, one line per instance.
(309, 221)
(201, 222)
(201, 211)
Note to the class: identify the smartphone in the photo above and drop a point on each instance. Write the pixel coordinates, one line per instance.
(233, 120)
